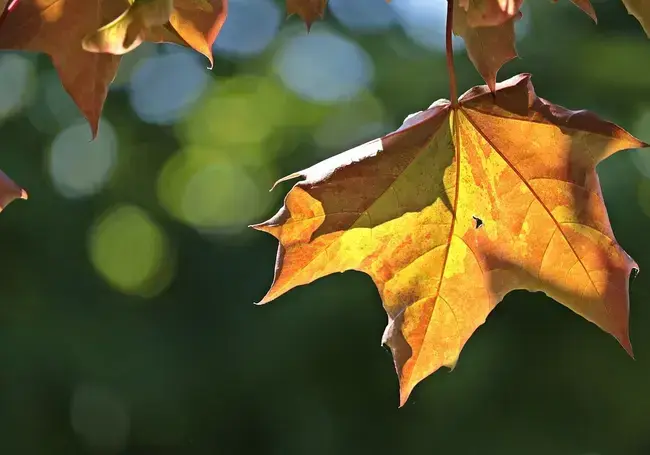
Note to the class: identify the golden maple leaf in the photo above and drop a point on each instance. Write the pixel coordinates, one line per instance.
(458, 207)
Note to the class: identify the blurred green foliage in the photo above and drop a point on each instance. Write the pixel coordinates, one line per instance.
(127, 324)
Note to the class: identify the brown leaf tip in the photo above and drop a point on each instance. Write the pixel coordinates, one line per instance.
(10, 196)
(514, 81)
(308, 10)
(9, 191)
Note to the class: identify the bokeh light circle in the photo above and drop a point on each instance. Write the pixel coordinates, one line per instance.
(323, 66)
(250, 28)
(78, 165)
(164, 87)
(363, 15)
(131, 251)
(211, 192)
(17, 78)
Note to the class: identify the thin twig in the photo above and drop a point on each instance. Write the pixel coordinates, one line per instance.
(453, 92)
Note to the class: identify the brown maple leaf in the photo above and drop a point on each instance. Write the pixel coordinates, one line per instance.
(488, 47)
(308, 10)
(460, 206)
(58, 27)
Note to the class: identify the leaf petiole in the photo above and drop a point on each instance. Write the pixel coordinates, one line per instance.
(453, 91)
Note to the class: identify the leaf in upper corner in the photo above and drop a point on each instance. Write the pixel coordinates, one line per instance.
(191, 23)
(308, 10)
(457, 208)
(489, 48)
(641, 10)
(9, 191)
(58, 27)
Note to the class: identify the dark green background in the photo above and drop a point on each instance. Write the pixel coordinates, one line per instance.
(190, 366)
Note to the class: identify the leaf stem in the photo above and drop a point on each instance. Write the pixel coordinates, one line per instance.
(453, 91)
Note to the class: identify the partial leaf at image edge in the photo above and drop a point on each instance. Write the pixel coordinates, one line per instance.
(641, 10)
(58, 28)
(405, 209)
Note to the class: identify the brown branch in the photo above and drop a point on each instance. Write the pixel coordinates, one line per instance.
(453, 91)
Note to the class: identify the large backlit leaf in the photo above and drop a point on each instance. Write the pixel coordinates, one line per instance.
(456, 209)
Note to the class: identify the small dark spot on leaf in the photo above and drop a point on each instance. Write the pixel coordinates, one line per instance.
(478, 222)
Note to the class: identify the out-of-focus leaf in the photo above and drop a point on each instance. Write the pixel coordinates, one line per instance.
(489, 48)
(641, 10)
(58, 28)
(487, 13)
(198, 23)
